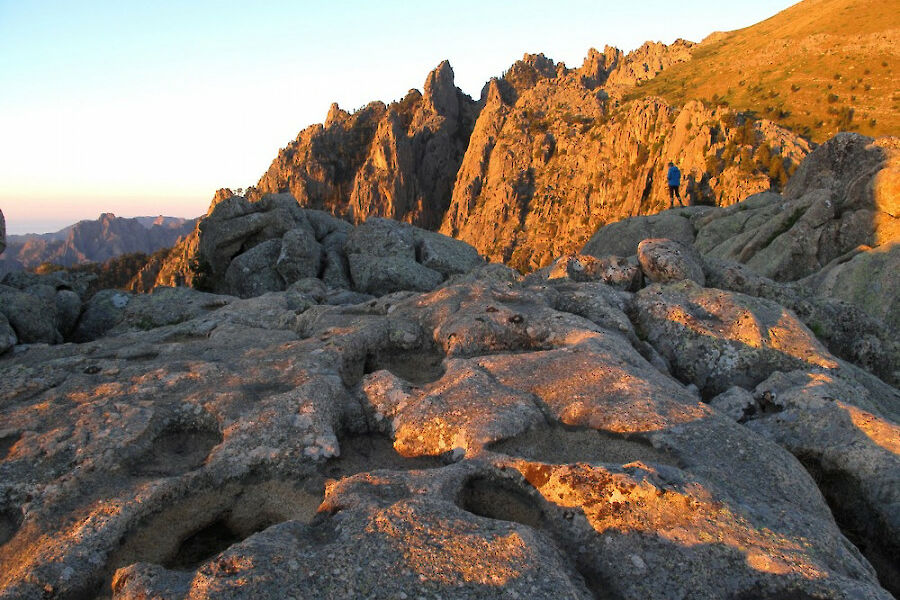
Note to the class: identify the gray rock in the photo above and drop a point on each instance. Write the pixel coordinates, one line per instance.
(599, 303)
(444, 254)
(622, 238)
(235, 226)
(849, 448)
(381, 275)
(316, 447)
(284, 204)
(32, 316)
(311, 286)
(663, 261)
(80, 283)
(8, 337)
(68, 309)
(167, 306)
(335, 240)
(336, 273)
(866, 278)
(847, 331)
(717, 339)
(255, 271)
(301, 255)
(488, 272)
(621, 273)
(342, 297)
(723, 224)
(735, 402)
(2, 233)
(379, 237)
(844, 166)
(324, 224)
(840, 198)
(102, 312)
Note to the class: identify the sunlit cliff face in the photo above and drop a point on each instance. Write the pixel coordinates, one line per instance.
(886, 195)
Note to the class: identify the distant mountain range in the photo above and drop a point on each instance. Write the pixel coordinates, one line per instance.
(96, 240)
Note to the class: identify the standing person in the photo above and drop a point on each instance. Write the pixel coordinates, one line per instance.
(674, 178)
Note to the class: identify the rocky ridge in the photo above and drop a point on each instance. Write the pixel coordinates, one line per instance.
(397, 161)
(658, 421)
(549, 164)
(544, 158)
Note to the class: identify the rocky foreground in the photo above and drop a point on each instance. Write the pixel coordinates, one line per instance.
(701, 404)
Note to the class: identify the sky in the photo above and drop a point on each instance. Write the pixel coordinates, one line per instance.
(146, 108)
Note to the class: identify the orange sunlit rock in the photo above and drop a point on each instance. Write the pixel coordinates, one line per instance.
(454, 549)
(621, 503)
(880, 431)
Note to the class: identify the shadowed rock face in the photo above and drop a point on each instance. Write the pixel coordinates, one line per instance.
(491, 437)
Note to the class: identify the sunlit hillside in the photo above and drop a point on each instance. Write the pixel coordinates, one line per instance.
(819, 67)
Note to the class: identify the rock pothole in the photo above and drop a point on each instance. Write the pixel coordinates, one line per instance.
(178, 449)
(195, 528)
(205, 544)
(560, 444)
(361, 453)
(419, 366)
(260, 390)
(504, 501)
(498, 500)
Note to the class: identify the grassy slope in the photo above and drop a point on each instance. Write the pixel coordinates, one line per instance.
(806, 67)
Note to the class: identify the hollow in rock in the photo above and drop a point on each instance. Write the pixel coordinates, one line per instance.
(419, 366)
(560, 444)
(176, 450)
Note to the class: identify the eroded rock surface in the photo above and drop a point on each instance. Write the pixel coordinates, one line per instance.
(489, 437)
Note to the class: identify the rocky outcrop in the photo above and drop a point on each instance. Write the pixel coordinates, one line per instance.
(2, 233)
(622, 237)
(246, 249)
(841, 198)
(500, 434)
(41, 308)
(531, 170)
(107, 237)
(551, 161)
(833, 233)
(846, 328)
(664, 261)
(397, 161)
(833, 427)
(865, 277)
(716, 339)
(489, 437)
(615, 271)
(646, 62)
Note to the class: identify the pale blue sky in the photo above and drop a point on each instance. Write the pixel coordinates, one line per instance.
(143, 108)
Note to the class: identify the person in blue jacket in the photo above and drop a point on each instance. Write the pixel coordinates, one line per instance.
(674, 178)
